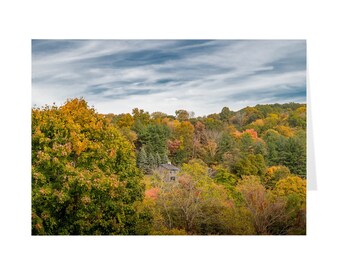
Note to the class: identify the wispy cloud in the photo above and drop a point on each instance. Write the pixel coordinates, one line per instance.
(165, 75)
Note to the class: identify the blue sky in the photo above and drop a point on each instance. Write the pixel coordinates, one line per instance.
(202, 76)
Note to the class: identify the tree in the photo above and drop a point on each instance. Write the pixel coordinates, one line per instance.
(158, 115)
(247, 143)
(292, 185)
(184, 133)
(191, 114)
(141, 116)
(293, 190)
(274, 174)
(222, 176)
(210, 151)
(250, 165)
(252, 114)
(225, 114)
(164, 158)
(298, 118)
(124, 120)
(293, 155)
(199, 139)
(84, 175)
(213, 123)
(158, 159)
(142, 160)
(265, 209)
(154, 137)
(226, 143)
(229, 181)
(275, 144)
(182, 115)
(239, 118)
(285, 131)
(173, 146)
(152, 162)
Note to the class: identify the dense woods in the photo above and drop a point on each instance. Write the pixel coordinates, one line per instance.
(241, 172)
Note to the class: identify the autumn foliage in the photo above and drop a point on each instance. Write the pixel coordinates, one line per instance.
(84, 177)
(240, 172)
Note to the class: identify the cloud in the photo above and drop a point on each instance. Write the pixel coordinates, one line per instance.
(164, 75)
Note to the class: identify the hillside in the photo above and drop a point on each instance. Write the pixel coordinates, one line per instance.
(241, 172)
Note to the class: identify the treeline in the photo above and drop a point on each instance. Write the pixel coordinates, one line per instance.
(245, 142)
(240, 172)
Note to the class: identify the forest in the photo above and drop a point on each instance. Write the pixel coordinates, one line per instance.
(239, 172)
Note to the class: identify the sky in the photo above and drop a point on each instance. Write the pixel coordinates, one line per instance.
(200, 76)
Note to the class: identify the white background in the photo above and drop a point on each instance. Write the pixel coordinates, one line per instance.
(21, 21)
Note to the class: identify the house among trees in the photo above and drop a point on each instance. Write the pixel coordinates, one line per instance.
(169, 171)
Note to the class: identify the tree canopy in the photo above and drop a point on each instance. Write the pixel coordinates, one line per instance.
(84, 174)
(241, 172)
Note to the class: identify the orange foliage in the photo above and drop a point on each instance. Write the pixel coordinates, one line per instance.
(152, 193)
(237, 134)
(173, 146)
(251, 132)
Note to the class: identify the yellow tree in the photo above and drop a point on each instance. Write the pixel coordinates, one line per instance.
(84, 176)
(293, 190)
(184, 132)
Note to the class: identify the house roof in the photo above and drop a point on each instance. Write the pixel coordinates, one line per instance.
(169, 167)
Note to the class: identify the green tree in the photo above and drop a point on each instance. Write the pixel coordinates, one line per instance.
(164, 158)
(154, 137)
(152, 162)
(293, 155)
(84, 175)
(158, 159)
(225, 114)
(229, 181)
(213, 123)
(275, 144)
(250, 165)
(247, 144)
(222, 176)
(298, 118)
(142, 160)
